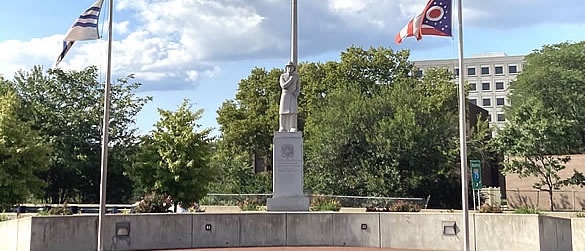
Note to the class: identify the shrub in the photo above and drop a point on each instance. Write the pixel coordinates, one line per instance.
(59, 211)
(250, 204)
(152, 203)
(580, 214)
(405, 206)
(488, 208)
(398, 206)
(3, 217)
(527, 210)
(322, 203)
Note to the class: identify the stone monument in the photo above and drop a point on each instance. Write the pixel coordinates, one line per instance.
(287, 182)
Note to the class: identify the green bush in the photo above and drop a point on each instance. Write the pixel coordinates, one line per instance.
(405, 206)
(322, 203)
(580, 214)
(152, 203)
(250, 204)
(487, 208)
(3, 217)
(59, 211)
(527, 210)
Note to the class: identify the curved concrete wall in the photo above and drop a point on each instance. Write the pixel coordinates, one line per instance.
(394, 230)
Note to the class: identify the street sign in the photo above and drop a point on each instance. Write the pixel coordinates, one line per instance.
(475, 174)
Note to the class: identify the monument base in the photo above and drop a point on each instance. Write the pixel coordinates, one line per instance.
(287, 173)
(289, 204)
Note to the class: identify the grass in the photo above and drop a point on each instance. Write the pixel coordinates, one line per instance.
(527, 210)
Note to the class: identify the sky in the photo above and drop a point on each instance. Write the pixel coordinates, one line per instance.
(201, 49)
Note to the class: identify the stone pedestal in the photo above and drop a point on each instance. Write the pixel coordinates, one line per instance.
(287, 173)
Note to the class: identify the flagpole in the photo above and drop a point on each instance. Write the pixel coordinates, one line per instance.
(294, 34)
(105, 133)
(462, 134)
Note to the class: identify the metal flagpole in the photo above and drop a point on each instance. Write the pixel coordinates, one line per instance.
(462, 134)
(105, 133)
(294, 40)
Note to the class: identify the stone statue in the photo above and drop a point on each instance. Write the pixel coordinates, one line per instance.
(291, 87)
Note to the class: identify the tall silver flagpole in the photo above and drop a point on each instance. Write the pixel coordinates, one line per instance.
(294, 40)
(105, 134)
(462, 134)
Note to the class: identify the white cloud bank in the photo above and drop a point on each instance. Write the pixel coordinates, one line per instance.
(182, 41)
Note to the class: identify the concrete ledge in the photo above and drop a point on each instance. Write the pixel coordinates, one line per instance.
(423, 231)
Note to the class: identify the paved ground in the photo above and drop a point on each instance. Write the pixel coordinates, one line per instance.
(296, 249)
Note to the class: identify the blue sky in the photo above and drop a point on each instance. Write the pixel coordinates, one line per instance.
(201, 49)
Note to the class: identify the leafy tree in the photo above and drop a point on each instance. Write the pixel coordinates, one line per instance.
(236, 175)
(174, 158)
(555, 75)
(393, 139)
(535, 139)
(67, 107)
(370, 126)
(248, 122)
(23, 154)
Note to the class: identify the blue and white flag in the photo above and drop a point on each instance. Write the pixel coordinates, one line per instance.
(84, 28)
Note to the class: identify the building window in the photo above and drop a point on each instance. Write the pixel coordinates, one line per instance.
(457, 72)
(501, 117)
(499, 85)
(485, 70)
(485, 86)
(472, 86)
(487, 102)
(512, 69)
(471, 71)
(499, 101)
(473, 101)
(499, 70)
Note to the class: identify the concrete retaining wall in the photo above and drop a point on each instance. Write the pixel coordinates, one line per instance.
(555, 233)
(507, 232)
(578, 233)
(423, 231)
(419, 231)
(15, 234)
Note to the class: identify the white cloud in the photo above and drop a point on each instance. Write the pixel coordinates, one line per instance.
(183, 41)
(192, 75)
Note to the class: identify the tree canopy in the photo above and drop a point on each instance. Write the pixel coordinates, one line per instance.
(371, 127)
(174, 158)
(67, 108)
(24, 153)
(546, 121)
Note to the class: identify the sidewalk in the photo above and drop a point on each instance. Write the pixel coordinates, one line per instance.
(296, 249)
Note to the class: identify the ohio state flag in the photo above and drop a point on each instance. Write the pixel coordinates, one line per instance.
(435, 19)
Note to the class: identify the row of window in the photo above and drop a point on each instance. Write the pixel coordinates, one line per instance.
(485, 70)
(500, 117)
(486, 86)
(488, 101)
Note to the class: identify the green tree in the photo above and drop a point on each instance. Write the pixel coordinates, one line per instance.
(555, 75)
(535, 139)
(248, 122)
(23, 154)
(67, 107)
(174, 158)
(396, 138)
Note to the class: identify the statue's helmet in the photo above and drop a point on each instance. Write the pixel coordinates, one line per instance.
(291, 65)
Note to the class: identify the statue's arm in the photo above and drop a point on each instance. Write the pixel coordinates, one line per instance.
(286, 83)
(298, 90)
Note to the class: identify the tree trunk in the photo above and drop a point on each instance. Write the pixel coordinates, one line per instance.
(550, 196)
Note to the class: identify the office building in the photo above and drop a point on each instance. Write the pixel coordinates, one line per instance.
(488, 76)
